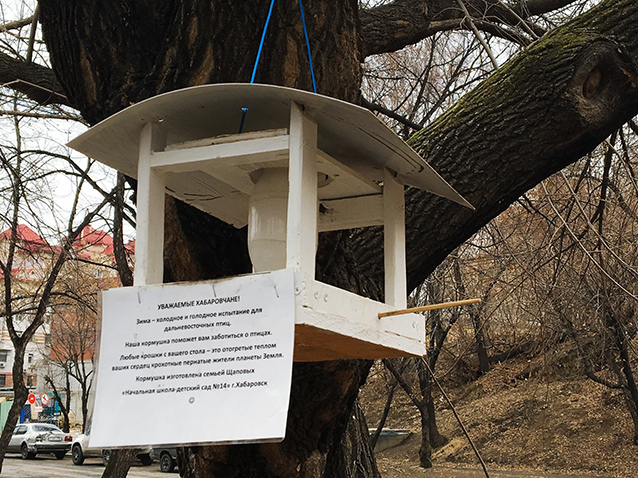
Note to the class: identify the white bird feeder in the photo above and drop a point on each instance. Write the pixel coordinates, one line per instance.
(304, 164)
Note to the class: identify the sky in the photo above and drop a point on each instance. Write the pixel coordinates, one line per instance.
(51, 197)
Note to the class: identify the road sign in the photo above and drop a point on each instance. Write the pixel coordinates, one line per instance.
(31, 398)
(44, 399)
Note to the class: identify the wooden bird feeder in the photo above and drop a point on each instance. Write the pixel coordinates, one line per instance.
(304, 164)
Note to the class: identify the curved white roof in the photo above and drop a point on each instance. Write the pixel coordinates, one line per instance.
(346, 132)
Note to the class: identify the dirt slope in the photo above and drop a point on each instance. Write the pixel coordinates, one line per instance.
(551, 421)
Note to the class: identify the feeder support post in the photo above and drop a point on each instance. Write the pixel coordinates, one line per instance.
(394, 241)
(301, 236)
(151, 182)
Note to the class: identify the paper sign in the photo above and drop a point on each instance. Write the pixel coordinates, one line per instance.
(195, 363)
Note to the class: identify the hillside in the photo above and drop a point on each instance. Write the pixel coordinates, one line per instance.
(553, 421)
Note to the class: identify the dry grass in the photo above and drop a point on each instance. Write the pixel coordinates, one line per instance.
(551, 421)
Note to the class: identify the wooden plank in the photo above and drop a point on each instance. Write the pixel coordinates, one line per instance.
(396, 289)
(352, 323)
(301, 237)
(313, 344)
(227, 154)
(151, 183)
(228, 138)
(349, 213)
(344, 181)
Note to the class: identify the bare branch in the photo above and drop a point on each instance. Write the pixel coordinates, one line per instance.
(392, 26)
(391, 114)
(30, 114)
(16, 24)
(36, 81)
(34, 28)
(477, 34)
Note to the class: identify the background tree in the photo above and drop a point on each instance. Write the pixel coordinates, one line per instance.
(73, 330)
(27, 300)
(33, 259)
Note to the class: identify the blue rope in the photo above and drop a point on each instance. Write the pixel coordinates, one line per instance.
(261, 43)
(261, 47)
(305, 32)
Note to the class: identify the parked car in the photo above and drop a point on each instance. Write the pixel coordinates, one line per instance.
(80, 450)
(29, 439)
(167, 458)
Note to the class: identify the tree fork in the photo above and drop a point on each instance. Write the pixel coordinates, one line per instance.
(541, 111)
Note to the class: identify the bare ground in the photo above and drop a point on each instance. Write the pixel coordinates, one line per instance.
(551, 422)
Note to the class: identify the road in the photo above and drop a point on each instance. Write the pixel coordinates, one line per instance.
(48, 467)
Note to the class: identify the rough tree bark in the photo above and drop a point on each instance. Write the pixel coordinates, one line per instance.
(540, 112)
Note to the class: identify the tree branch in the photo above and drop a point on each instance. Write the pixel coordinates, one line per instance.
(392, 26)
(16, 24)
(36, 81)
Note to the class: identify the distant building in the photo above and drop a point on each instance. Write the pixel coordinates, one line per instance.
(67, 338)
(31, 260)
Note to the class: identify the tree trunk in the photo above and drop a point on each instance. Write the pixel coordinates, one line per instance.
(623, 368)
(20, 395)
(436, 438)
(355, 458)
(64, 407)
(119, 462)
(384, 415)
(431, 438)
(67, 406)
(425, 450)
(479, 337)
(536, 115)
(105, 68)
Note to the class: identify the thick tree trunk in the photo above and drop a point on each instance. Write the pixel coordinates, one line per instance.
(539, 113)
(168, 45)
(119, 463)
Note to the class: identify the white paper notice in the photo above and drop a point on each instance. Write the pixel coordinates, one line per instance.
(195, 363)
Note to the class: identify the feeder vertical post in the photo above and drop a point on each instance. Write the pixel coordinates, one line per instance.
(394, 241)
(151, 182)
(301, 238)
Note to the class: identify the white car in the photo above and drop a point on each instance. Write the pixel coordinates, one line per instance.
(29, 439)
(80, 450)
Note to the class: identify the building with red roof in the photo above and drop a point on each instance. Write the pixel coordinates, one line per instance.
(93, 270)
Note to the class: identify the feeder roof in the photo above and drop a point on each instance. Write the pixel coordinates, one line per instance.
(348, 133)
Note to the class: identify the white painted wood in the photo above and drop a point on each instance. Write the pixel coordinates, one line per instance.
(396, 291)
(350, 326)
(338, 214)
(349, 133)
(210, 195)
(234, 162)
(344, 181)
(301, 237)
(227, 154)
(227, 138)
(149, 253)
